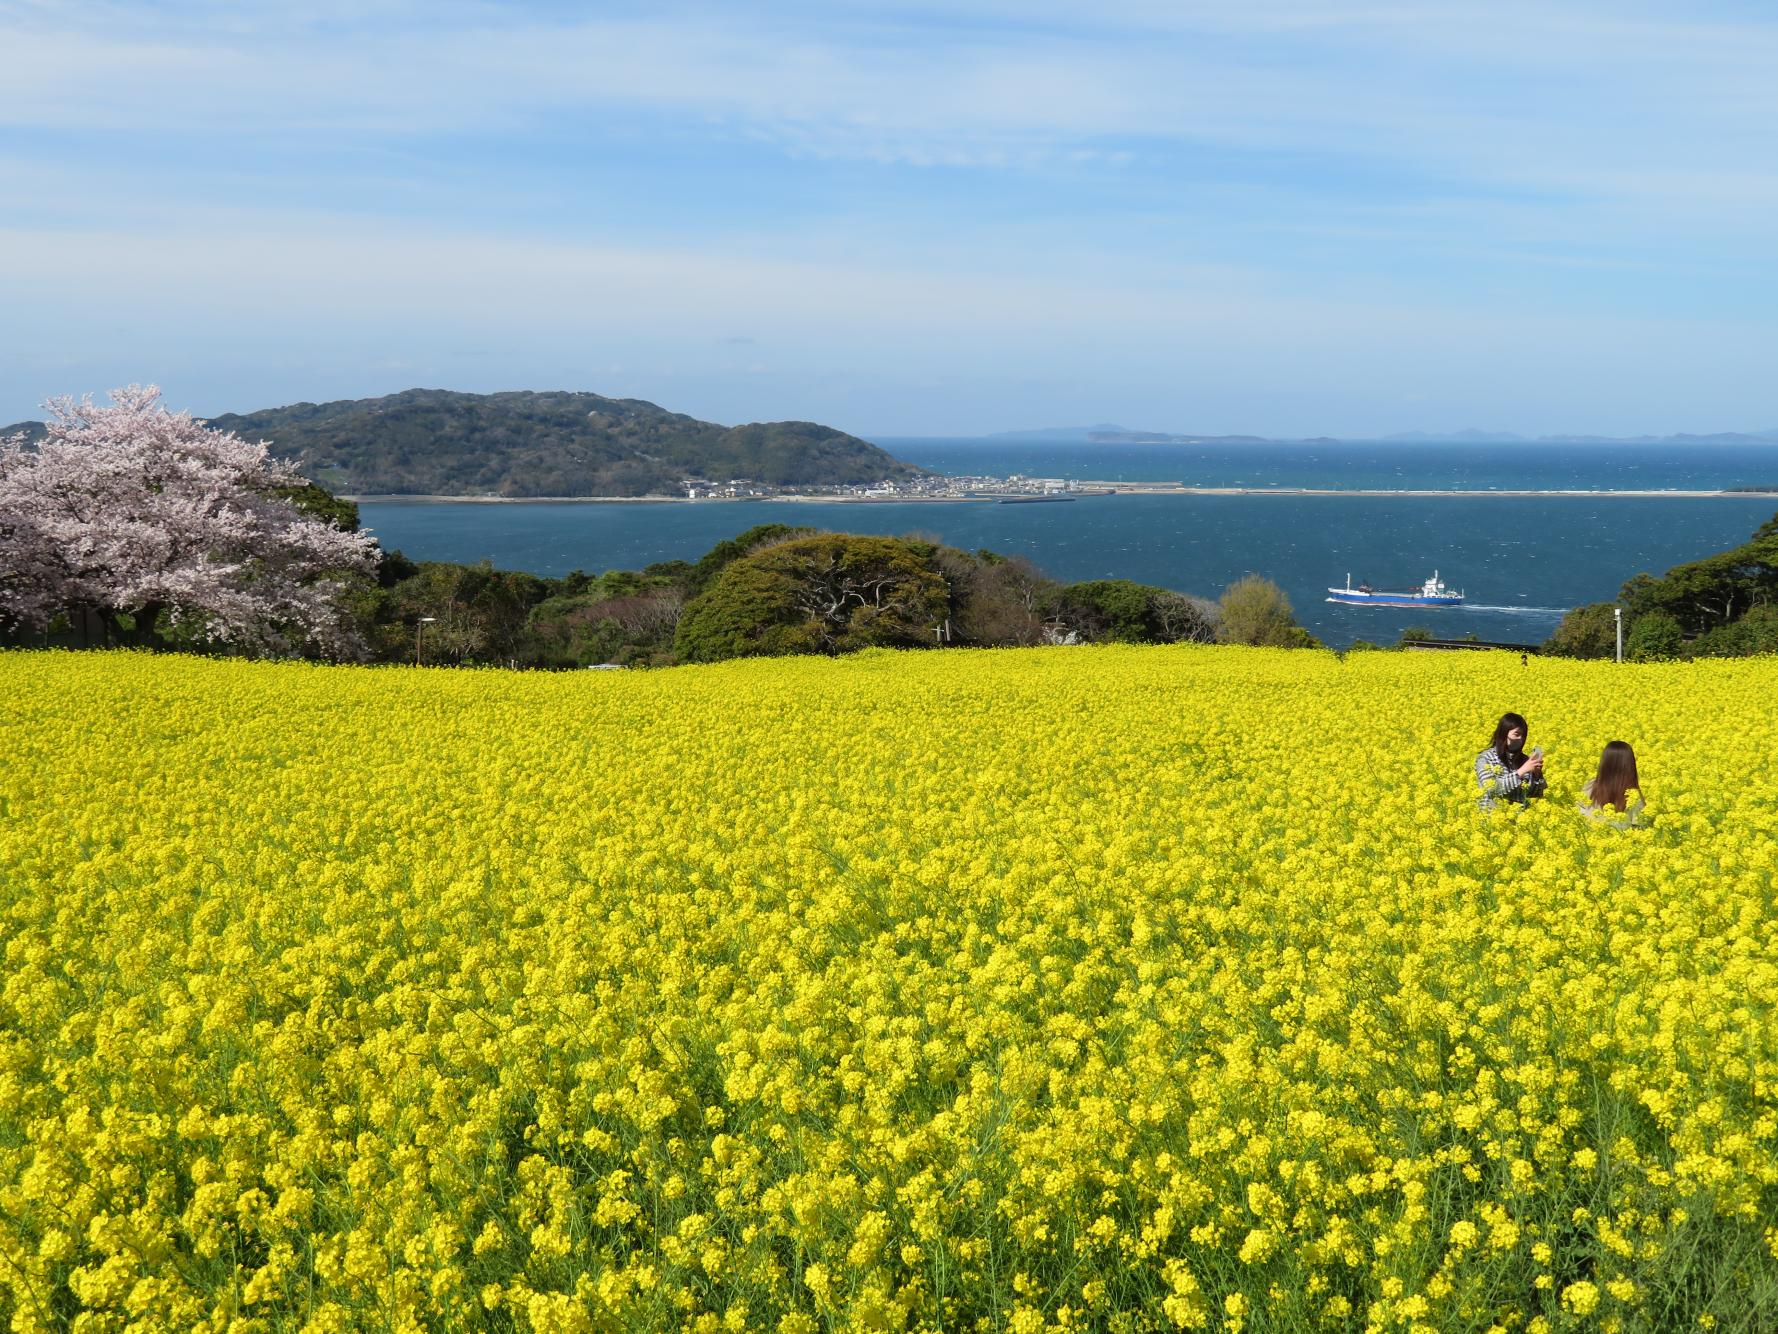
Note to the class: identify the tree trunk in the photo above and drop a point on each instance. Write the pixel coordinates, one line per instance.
(145, 618)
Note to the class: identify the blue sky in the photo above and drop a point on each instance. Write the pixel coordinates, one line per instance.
(1272, 216)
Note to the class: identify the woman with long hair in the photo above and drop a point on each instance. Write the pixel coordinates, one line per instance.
(1504, 771)
(1607, 796)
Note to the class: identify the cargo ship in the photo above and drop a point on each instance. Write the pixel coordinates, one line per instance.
(1432, 593)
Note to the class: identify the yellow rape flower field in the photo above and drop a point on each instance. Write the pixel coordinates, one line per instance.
(1061, 989)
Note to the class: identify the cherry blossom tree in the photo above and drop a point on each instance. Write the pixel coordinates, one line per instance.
(131, 508)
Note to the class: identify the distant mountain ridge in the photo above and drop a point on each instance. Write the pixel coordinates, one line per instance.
(1161, 438)
(1062, 433)
(437, 442)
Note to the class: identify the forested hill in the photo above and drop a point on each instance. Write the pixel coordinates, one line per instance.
(436, 442)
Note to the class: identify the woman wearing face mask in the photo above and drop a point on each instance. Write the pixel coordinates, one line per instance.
(1504, 771)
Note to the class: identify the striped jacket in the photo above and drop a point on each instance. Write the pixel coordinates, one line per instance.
(1499, 783)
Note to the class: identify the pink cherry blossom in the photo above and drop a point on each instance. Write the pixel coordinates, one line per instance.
(133, 508)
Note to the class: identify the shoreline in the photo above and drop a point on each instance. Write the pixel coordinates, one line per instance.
(1098, 490)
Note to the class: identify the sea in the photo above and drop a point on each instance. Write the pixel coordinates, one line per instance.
(1521, 561)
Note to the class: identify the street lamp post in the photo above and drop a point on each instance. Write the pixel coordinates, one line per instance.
(419, 625)
(1617, 616)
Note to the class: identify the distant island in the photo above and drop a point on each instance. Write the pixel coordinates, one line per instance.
(1159, 438)
(1106, 433)
(435, 442)
(1061, 434)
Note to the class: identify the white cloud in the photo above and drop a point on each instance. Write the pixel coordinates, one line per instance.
(247, 270)
(1497, 95)
(243, 262)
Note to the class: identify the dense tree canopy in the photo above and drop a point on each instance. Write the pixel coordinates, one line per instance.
(711, 563)
(830, 593)
(1654, 637)
(1756, 632)
(1126, 612)
(1254, 610)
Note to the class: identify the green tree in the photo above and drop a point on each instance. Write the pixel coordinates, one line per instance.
(1110, 609)
(732, 549)
(995, 600)
(1254, 610)
(1756, 632)
(478, 613)
(1654, 636)
(829, 593)
(395, 567)
(1123, 611)
(1586, 632)
(322, 504)
(675, 572)
(1760, 626)
(575, 630)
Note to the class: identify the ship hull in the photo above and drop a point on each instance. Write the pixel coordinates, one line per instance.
(1353, 598)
